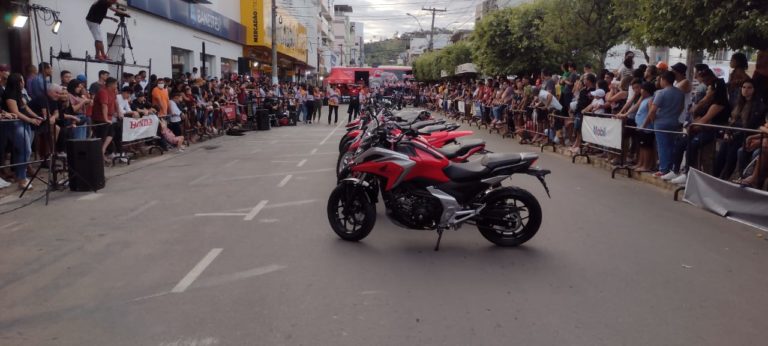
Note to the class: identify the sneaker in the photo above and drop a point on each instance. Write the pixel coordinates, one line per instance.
(4, 184)
(680, 180)
(659, 174)
(669, 176)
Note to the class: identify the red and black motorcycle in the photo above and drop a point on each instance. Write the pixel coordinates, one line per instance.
(423, 190)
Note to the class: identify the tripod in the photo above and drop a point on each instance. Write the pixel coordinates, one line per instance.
(122, 31)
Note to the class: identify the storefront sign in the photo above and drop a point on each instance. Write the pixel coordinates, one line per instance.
(194, 16)
(135, 129)
(602, 131)
(256, 15)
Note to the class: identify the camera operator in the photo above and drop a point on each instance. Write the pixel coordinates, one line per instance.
(96, 15)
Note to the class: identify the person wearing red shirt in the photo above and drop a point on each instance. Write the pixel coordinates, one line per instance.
(104, 108)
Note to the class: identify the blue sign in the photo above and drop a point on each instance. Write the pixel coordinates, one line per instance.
(194, 16)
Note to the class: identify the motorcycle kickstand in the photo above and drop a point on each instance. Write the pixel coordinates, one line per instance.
(439, 237)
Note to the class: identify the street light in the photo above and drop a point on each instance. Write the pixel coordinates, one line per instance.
(417, 21)
(20, 21)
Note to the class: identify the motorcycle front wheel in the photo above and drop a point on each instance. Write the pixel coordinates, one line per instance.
(351, 214)
(510, 218)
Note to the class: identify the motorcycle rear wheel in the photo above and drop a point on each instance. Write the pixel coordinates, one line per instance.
(510, 218)
(348, 206)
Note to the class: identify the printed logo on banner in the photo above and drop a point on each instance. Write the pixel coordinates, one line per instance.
(135, 129)
(602, 131)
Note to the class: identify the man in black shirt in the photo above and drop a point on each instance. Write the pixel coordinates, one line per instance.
(141, 105)
(96, 15)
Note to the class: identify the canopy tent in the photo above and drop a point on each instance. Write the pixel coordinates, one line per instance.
(341, 77)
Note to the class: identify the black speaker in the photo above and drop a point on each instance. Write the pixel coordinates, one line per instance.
(86, 164)
(262, 119)
(243, 66)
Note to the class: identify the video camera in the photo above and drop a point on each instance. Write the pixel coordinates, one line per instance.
(122, 12)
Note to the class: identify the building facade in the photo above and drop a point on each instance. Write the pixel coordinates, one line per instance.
(168, 33)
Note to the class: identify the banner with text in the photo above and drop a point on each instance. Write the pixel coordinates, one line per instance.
(602, 131)
(135, 129)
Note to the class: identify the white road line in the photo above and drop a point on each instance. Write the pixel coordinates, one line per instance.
(196, 271)
(290, 204)
(90, 197)
(255, 151)
(255, 211)
(331, 134)
(285, 180)
(10, 224)
(302, 155)
(277, 205)
(199, 179)
(245, 177)
(221, 214)
(313, 152)
(139, 211)
(225, 279)
(301, 163)
(231, 163)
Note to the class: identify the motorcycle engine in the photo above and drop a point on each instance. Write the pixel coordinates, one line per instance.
(414, 208)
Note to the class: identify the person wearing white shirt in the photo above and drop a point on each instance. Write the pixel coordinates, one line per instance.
(124, 104)
(174, 118)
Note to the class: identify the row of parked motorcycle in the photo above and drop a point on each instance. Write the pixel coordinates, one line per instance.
(431, 176)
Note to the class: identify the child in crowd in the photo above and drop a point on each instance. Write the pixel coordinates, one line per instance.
(173, 139)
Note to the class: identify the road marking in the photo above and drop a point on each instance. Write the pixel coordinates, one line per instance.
(280, 205)
(255, 151)
(313, 152)
(282, 161)
(245, 177)
(91, 197)
(302, 155)
(225, 279)
(196, 271)
(301, 163)
(285, 180)
(269, 220)
(221, 214)
(199, 179)
(139, 211)
(10, 224)
(209, 341)
(231, 163)
(255, 211)
(331, 134)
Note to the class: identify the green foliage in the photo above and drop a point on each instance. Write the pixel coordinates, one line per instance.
(427, 67)
(584, 30)
(512, 40)
(384, 52)
(698, 24)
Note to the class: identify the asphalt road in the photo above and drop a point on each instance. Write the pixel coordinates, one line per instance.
(228, 244)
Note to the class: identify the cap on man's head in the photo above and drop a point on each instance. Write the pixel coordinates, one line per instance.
(127, 90)
(82, 78)
(599, 93)
(679, 68)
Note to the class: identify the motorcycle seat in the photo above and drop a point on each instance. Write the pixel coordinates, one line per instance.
(493, 161)
(452, 151)
(437, 128)
(484, 168)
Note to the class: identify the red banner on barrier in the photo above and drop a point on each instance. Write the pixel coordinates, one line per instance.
(230, 112)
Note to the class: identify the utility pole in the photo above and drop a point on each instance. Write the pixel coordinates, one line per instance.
(274, 42)
(432, 29)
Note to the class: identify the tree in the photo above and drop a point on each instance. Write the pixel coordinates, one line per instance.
(585, 29)
(512, 40)
(697, 24)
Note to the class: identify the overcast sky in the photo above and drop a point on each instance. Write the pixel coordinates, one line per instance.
(384, 18)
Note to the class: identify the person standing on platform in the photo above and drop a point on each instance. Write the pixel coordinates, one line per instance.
(96, 15)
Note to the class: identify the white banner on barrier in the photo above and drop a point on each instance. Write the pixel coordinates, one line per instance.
(602, 131)
(135, 129)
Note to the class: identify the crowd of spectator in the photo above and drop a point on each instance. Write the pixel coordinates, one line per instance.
(189, 108)
(665, 113)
